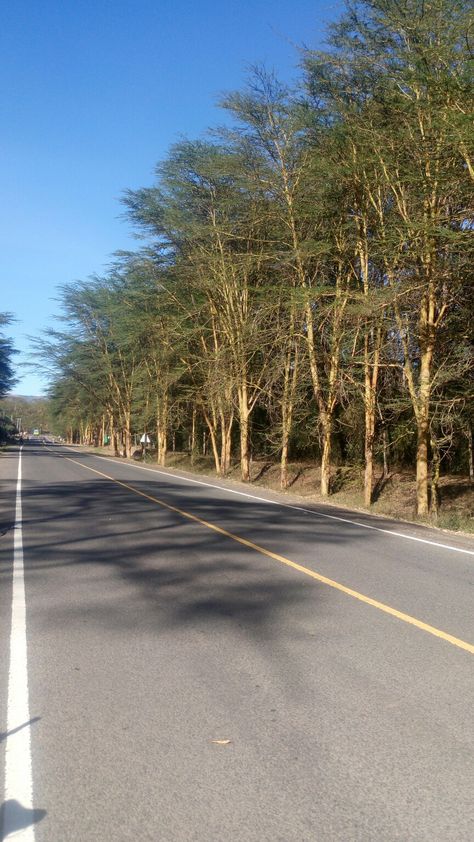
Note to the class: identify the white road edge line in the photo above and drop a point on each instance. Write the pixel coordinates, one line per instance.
(296, 508)
(18, 773)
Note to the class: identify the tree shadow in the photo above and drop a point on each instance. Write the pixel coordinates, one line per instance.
(14, 817)
(380, 486)
(181, 573)
(5, 734)
(299, 473)
(337, 481)
(263, 470)
(454, 490)
(114, 560)
(6, 527)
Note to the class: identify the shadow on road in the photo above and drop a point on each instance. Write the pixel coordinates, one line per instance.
(179, 571)
(14, 817)
(5, 734)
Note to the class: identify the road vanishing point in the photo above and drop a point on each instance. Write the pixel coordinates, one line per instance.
(188, 659)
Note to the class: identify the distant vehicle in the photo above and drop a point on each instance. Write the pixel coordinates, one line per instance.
(36, 432)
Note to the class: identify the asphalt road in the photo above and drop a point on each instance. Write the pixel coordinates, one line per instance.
(336, 659)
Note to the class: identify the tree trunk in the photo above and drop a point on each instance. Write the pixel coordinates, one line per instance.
(325, 405)
(244, 415)
(161, 428)
(192, 444)
(385, 451)
(372, 344)
(326, 457)
(422, 468)
(284, 461)
(226, 443)
(286, 421)
(470, 454)
(127, 435)
(215, 452)
(369, 406)
(434, 488)
(287, 406)
(244, 446)
(369, 465)
(162, 444)
(213, 437)
(423, 424)
(212, 427)
(370, 391)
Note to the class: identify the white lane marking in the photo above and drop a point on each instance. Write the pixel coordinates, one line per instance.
(300, 508)
(18, 774)
(295, 508)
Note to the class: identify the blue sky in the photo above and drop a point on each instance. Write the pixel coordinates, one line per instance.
(92, 96)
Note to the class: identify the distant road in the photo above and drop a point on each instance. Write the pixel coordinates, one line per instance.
(195, 662)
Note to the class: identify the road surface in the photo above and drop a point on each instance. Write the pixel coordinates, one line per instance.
(196, 661)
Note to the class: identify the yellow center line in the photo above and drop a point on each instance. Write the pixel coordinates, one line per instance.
(381, 606)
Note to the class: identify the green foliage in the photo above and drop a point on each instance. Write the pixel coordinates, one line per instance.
(7, 351)
(308, 269)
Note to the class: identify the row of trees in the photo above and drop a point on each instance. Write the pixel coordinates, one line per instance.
(26, 414)
(305, 285)
(7, 352)
(7, 374)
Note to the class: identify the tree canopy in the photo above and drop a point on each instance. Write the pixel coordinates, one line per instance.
(306, 283)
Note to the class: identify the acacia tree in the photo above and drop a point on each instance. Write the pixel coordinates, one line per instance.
(7, 351)
(201, 211)
(7, 377)
(97, 353)
(269, 141)
(73, 410)
(154, 327)
(340, 94)
(97, 310)
(287, 152)
(412, 58)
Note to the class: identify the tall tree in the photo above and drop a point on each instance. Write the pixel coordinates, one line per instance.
(7, 351)
(410, 61)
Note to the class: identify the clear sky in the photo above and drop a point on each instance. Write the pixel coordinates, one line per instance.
(93, 93)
